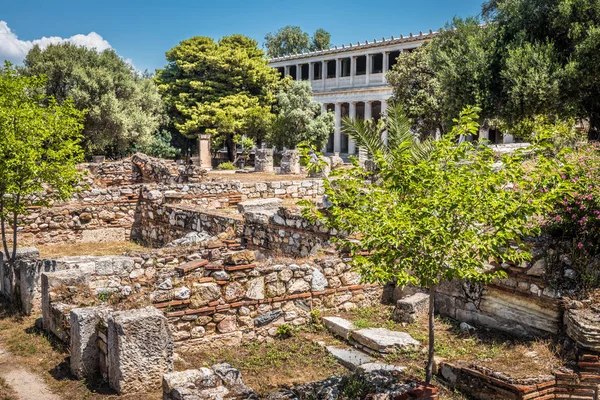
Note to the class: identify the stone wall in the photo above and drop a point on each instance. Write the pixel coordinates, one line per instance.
(482, 383)
(522, 304)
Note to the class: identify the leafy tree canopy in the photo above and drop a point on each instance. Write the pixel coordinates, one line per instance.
(39, 149)
(123, 107)
(438, 211)
(221, 88)
(534, 57)
(299, 118)
(293, 40)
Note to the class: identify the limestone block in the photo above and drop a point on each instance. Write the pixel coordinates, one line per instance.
(319, 282)
(204, 293)
(259, 205)
(256, 289)
(140, 350)
(349, 358)
(290, 162)
(263, 160)
(84, 348)
(408, 308)
(340, 326)
(30, 272)
(240, 258)
(384, 340)
(203, 377)
(298, 286)
(583, 326)
(50, 281)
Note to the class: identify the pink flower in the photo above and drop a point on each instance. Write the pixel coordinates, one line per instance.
(580, 245)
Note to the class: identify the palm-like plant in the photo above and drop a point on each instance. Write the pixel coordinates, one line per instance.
(401, 142)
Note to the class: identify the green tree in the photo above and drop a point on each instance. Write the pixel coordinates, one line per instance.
(123, 107)
(565, 35)
(39, 149)
(159, 146)
(293, 40)
(299, 118)
(321, 40)
(223, 89)
(417, 91)
(439, 217)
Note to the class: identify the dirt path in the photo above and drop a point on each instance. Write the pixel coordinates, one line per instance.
(28, 386)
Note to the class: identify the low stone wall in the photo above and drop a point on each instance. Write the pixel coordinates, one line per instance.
(522, 304)
(485, 384)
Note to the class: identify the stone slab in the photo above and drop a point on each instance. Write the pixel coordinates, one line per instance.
(85, 353)
(379, 366)
(384, 340)
(259, 205)
(340, 326)
(349, 358)
(140, 350)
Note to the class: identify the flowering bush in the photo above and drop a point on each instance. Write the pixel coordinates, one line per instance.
(576, 218)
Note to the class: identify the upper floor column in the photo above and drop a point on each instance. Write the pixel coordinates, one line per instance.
(323, 72)
(338, 71)
(386, 63)
(298, 72)
(311, 71)
(352, 69)
(368, 72)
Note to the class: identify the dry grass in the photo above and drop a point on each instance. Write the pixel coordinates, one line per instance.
(515, 358)
(255, 176)
(87, 249)
(268, 366)
(43, 355)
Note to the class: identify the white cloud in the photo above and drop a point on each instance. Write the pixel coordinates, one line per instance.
(15, 50)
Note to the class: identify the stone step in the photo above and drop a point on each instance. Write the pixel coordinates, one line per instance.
(340, 326)
(379, 366)
(349, 358)
(408, 308)
(383, 340)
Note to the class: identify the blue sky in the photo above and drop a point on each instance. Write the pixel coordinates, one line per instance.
(141, 31)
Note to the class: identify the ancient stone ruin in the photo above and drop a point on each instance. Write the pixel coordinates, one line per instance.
(229, 261)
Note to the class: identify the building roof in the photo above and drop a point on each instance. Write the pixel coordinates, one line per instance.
(359, 46)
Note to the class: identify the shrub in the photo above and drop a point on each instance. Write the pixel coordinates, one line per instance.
(575, 219)
(284, 331)
(227, 165)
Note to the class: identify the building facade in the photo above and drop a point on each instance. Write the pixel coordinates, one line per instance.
(350, 80)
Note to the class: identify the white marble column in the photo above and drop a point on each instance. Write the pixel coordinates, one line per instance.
(368, 76)
(286, 70)
(298, 72)
(337, 131)
(338, 72)
(323, 108)
(323, 72)
(352, 115)
(352, 69)
(386, 63)
(384, 134)
(368, 110)
(507, 138)
(311, 71)
(484, 133)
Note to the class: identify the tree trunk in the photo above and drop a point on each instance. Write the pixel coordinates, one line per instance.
(594, 131)
(429, 368)
(2, 227)
(14, 227)
(231, 148)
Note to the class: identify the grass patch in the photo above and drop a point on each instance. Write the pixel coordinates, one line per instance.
(518, 359)
(42, 354)
(87, 249)
(268, 366)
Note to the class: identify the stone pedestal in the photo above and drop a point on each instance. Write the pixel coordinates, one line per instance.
(290, 163)
(263, 161)
(140, 350)
(85, 354)
(204, 156)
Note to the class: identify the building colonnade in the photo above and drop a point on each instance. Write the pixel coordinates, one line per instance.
(368, 110)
